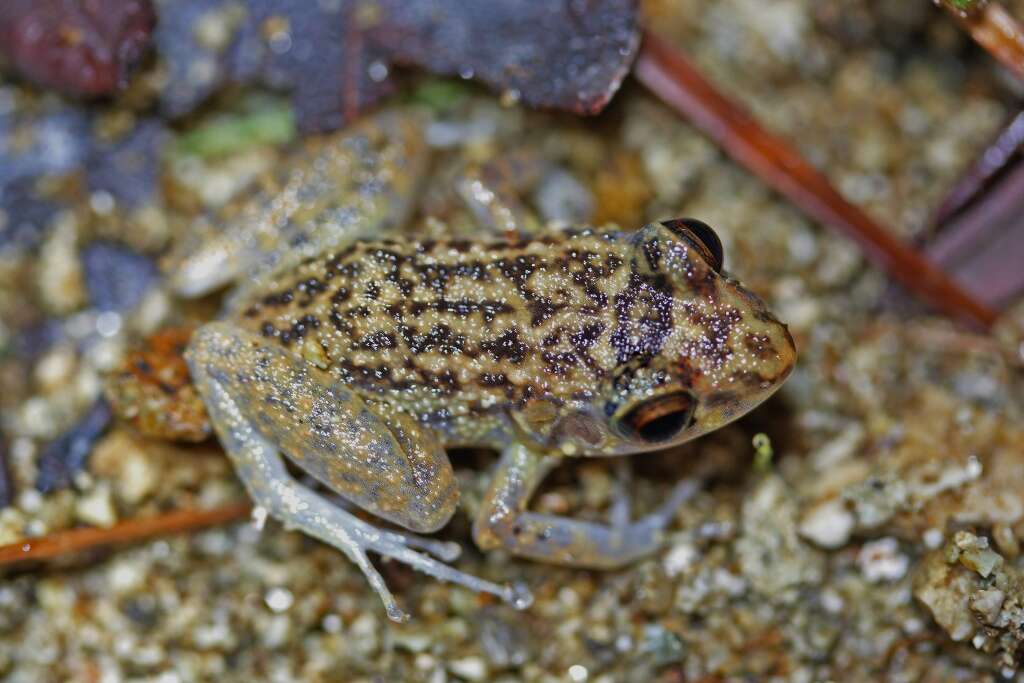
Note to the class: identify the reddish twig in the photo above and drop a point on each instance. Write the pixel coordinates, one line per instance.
(993, 28)
(672, 78)
(132, 531)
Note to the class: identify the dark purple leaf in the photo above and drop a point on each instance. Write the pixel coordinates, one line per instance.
(977, 234)
(983, 245)
(997, 155)
(78, 47)
(336, 58)
(67, 455)
(567, 54)
(311, 49)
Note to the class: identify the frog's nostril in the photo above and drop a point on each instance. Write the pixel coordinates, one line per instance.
(661, 418)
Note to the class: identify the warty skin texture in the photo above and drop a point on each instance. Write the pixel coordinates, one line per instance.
(362, 361)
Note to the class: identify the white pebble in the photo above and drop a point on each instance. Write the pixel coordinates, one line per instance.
(331, 623)
(470, 668)
(827, 524)
(933, 538)
(279, 599)
(578, 673)
(97, 507)
(680, 558)
(881, 560)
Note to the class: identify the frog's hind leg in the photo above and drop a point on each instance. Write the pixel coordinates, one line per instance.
(260, 396)
(504, 521)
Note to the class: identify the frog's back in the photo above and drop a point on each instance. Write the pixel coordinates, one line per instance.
(454, 329)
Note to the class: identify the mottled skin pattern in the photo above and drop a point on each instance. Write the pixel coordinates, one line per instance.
(546, 339)
(362, 364)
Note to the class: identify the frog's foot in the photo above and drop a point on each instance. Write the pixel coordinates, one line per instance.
(446, 551)
(504, 521)
(237, 390)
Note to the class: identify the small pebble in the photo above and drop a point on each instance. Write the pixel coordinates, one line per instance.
(578, 673)
(279, 599)
(882, 560)
(828, 524)
(96, 507)
(67, 455)
(680, 558)
(469, 668)
(117, 277)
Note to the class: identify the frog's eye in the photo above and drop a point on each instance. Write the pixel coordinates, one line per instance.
(701, 237)
(659, 419)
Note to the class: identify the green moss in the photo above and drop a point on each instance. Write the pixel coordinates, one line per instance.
(439, 94)
(259, 121)
(964, 5)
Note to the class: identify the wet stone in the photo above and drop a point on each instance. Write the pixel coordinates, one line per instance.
(67, 455)
(116, 277)
(505, 642)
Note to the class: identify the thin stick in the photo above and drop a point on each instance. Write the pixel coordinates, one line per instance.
(672, 78)
(131, 531)
(993, 28)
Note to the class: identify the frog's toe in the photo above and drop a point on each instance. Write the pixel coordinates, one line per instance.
(446, 551)
(272, 487)
(504, 520)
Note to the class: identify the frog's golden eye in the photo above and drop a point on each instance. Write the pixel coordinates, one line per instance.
(659, 419)
(701, 237)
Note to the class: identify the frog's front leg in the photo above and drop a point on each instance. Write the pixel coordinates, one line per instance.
(503, 520)
(263, 399)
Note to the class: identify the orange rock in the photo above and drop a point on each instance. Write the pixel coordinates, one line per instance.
(153, 390)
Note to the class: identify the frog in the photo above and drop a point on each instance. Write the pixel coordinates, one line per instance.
(362, 359)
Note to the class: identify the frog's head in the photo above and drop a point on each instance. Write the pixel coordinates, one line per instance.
(694, 349)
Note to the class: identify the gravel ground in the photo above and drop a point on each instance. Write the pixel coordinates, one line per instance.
(880, 540)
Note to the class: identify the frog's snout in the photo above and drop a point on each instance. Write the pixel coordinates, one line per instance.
(770, 345)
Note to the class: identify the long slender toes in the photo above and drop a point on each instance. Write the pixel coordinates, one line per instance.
(681, 494)
(446, 551)
(250, 434)
(505, 521)
(619, 513)
(443, 572)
